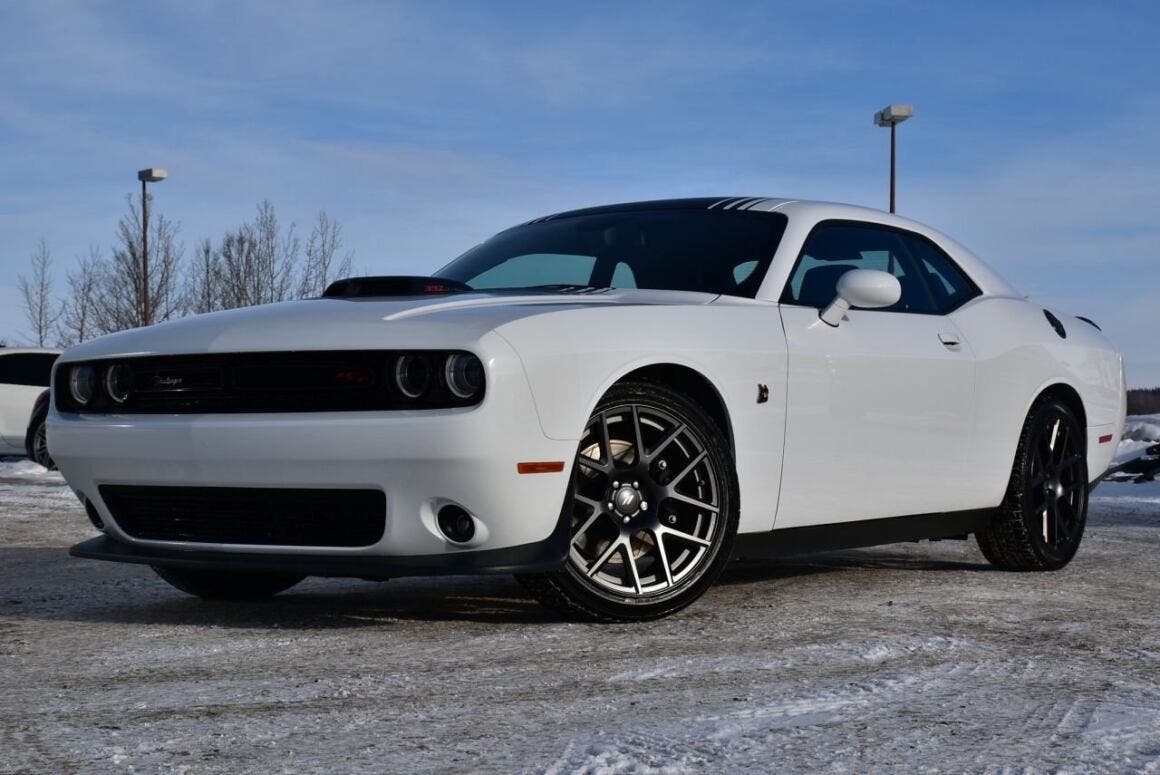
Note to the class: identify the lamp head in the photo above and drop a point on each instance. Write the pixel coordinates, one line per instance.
(152, 174)
(893, 114)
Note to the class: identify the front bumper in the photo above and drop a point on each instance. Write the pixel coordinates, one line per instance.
(541, 556)
(420, 460)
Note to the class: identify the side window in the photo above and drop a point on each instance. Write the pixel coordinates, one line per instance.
(537, 269)
(33, 369)
(833, 249)
(948, 285)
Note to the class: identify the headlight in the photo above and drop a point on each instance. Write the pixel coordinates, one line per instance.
(413, 375)
(464, 375)
(82, 380)
(119, 382)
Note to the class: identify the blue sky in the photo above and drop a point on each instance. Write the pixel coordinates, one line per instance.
(425, 127)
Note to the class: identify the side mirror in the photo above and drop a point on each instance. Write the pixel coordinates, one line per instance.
(867, 288)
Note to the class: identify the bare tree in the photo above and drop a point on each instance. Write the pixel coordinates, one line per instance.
(204, 284)
(78, 308)
(322, 246)
(261, 262)
(120, 293)
(258, 262)
(40, 309)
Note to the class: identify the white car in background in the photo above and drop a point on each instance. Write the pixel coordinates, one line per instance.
(24, 374)
(610, 403)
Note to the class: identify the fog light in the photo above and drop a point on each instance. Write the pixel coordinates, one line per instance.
(456, 524)
(94, 517)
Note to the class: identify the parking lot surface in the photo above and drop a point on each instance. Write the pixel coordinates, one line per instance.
(915, 656)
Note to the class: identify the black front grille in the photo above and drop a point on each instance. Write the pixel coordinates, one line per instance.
(294, 381)
(244, 515)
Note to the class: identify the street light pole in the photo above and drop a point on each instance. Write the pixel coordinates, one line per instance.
(892, 116)
(149, 175)
(893, 132)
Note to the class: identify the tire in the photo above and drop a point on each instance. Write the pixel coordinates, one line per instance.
(227, 585)
(651, 532)
(36, 442)
(1041, 521)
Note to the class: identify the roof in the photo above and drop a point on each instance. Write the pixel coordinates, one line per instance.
(690, 203)
(18, 350)
(811, 211)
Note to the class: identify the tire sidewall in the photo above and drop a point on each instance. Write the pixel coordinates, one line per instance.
(1052, 557)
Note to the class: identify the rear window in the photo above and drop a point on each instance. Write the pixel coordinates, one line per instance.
(33, 369)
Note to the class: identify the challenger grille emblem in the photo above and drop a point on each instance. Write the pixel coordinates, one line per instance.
(167, 382)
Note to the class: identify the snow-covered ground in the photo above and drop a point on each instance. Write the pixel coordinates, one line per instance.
(908, 657)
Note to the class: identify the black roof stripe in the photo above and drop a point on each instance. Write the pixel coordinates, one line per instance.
(690, 203)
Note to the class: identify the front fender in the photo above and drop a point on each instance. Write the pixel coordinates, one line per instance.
(572, 357)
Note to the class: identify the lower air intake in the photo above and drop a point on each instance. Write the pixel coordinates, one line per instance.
(251, 516)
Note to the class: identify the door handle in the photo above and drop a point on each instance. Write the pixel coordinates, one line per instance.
(948, 338)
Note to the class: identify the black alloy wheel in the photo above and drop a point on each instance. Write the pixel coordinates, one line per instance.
(652, 507)
(1041, 521)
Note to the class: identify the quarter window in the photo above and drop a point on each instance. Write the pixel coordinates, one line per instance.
(948, 285)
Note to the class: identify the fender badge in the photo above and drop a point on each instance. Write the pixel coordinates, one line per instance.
(762, 393)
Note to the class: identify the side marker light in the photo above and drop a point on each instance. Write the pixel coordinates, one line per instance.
(544, 467)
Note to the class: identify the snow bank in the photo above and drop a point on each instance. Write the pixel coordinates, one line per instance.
(1140, 432)
(1144, 427)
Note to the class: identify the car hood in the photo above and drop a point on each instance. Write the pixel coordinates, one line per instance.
(425, 322)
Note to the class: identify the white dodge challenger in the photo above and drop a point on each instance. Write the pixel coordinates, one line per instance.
(610, 403)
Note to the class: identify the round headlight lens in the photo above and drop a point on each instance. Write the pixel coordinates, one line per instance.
(412, 375)
(82, 381)
(119, 382)
(464, 374)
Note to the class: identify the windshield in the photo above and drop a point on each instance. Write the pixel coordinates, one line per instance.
(678, 250)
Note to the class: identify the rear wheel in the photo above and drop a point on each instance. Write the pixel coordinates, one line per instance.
(227, 585)
(1041, 520)
(652, 505)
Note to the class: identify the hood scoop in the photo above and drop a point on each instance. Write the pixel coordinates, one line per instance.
(395, 285)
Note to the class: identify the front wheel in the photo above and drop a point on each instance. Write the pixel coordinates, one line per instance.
(1041, 520)
(653, 506)
(37, 443)
(227, 585)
